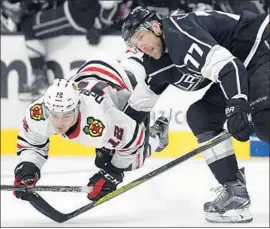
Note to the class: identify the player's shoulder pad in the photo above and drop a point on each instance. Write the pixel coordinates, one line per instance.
(93, 91)
(105, 67)
(99, 60)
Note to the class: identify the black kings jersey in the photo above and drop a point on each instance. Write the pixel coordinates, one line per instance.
(201, 47)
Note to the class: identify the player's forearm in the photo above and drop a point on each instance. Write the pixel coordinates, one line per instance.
(233, 80)
(141, 102)
(224, 68)
(30, 149)
(31, 155)
(138, 116)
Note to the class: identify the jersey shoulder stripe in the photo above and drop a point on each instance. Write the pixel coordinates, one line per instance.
(103, 69)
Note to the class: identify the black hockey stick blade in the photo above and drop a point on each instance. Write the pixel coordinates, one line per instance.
(42, 206)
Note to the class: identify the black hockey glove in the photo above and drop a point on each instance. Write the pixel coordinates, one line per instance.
(103, 156)
(93, 36)
(237, 111)
(105, 181)
(26, 174)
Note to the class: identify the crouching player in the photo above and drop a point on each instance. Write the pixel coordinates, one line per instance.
(87, 111)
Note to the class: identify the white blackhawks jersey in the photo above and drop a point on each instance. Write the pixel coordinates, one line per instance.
(100, 121)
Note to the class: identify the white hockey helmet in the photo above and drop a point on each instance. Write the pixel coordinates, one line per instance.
(62, 96)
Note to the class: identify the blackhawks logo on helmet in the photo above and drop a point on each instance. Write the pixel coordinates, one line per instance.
(36, 112)
(94, 127)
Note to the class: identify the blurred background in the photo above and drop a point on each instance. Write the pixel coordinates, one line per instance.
(40, 20)
(46, 39)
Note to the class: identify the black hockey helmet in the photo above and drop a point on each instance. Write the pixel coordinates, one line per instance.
(138, 18)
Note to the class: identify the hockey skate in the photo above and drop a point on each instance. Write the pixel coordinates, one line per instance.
(232, 204)
(161, 129)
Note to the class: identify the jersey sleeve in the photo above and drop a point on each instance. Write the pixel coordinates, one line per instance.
(202, 55)
(32, 143)
(140, 102)
(123, 132)
(126, 136)
(147, 92)
(106, 68)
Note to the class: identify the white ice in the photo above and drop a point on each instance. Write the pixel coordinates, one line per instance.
(172, 199)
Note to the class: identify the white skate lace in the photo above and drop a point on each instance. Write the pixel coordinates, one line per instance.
(217, 189)
(222, 193)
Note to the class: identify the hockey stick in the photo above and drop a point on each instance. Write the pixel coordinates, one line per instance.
(85, 189)
(42, 206)
(51, 188)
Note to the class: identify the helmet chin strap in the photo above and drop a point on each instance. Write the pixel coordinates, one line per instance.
(45, 110)
(77, 111)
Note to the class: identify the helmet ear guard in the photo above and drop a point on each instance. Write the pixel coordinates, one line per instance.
(45, 110)
(77, 109)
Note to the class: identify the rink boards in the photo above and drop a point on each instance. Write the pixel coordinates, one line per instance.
(180, 143)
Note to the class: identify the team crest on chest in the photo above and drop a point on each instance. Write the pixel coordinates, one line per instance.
(36, 112)
(94, 127)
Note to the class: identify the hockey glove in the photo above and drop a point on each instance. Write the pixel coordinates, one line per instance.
(237, 111)
(103, 156)
(105, 181)
(93, 36)
(26, 174)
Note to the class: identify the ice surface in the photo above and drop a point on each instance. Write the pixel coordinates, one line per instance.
(172, 199)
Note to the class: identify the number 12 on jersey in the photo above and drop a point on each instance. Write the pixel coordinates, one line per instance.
(118, 134)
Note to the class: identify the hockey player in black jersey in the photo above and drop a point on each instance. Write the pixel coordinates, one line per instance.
(191, 51)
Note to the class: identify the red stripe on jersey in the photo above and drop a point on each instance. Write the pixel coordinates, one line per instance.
(138, 143)
(124, 150)
(105, 72)
(138, 165)
(19, 146)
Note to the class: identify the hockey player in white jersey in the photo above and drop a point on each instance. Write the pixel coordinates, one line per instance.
(87, 110)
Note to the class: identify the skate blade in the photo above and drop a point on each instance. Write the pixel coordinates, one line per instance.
(231, 216)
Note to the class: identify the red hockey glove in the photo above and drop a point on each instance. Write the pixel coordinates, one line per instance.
(26, 174)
